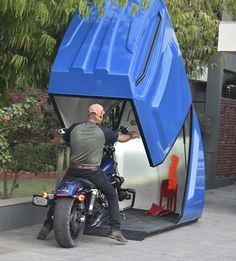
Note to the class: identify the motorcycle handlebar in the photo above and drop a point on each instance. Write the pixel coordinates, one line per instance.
(123, 130)
(62, 131)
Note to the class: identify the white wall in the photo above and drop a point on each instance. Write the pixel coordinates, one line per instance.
(133, 165)
(227, 37)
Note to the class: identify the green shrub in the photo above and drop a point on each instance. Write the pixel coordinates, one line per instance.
(36, 158)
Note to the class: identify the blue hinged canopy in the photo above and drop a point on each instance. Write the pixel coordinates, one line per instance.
(125, 57)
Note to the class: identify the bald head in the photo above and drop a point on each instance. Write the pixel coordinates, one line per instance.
(96, 113)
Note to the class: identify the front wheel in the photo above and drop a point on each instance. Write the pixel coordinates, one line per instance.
(68, 221)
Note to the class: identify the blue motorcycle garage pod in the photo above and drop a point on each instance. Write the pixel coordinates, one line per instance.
(136, 61)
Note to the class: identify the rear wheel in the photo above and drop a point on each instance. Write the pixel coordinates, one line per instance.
(68, 221)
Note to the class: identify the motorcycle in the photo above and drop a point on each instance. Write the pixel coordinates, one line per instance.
(79, 205)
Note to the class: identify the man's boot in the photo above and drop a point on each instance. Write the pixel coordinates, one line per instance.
(117, 235)
(42, 235)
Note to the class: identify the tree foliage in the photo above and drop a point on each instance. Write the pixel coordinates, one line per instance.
(31, 31)
(13, 118)
(196, 25)
(30, 34)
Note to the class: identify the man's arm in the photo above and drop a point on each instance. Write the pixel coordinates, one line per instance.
(111, 136)
(126, 137)
(65, 138)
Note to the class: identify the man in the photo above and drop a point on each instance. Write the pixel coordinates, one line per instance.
(86, 142)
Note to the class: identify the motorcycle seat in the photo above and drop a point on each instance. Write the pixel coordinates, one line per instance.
(87, 183)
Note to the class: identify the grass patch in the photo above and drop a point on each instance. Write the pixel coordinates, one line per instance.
(28, 187)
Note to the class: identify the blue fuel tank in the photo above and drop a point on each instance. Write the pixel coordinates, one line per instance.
(108, 166)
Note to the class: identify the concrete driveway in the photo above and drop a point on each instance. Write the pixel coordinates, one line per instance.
(212, 238)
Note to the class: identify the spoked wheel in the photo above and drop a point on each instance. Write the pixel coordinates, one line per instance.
(68, 222)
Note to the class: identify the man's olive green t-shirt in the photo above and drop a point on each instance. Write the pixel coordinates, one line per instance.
(87, 141)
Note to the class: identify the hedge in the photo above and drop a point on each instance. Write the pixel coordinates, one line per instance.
(36, 158)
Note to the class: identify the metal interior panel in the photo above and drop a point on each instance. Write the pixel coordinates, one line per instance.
(75, 109)
(133, 165)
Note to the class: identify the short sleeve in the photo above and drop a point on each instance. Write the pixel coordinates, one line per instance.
(110, 136)
(66, 135)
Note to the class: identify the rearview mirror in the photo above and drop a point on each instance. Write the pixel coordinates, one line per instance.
(132, 123)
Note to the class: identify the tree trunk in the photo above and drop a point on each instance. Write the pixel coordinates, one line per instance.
(13, 186)
(5, 190)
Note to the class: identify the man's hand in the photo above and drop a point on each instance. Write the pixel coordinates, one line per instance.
(133, 134)
(126, 137)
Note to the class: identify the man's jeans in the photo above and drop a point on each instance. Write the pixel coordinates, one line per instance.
(102, 183)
